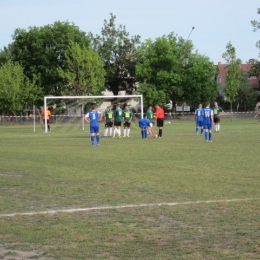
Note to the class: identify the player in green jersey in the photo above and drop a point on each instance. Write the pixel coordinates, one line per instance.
(108, 121)
(127, 119)
(118, 113)
(258, 113)
(217, 111)
(150, 117)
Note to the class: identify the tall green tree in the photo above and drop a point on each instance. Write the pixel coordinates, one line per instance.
(117, 48)
(168, 71)
(256, 63)
(6, 54)
(198, 82)
(159, 69)
(233, 73)
(247, 97)
(40, 51)
(84, 73)
(16, 90)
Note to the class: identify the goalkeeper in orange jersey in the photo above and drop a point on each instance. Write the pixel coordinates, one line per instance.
(46, 115)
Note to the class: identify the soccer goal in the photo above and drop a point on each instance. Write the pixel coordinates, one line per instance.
(84, 100)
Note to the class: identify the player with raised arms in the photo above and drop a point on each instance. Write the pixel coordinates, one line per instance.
(92, 118)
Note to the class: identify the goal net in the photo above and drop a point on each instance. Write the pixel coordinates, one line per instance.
(70, 110)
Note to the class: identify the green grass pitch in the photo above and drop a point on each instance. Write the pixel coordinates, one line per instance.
(60, 170)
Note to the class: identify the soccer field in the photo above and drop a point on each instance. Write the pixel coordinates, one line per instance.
(171, 198)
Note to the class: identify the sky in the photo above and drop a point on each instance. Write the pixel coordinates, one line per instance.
(216, 22)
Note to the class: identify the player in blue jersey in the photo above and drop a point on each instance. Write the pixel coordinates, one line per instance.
(92, 118)
(199, 118)
(208, 122)
(144, 124)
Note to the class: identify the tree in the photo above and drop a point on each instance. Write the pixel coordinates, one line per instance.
(117, 49)
(6, 54)
(40, 51)
(84, 73)
(247, 97)
(159, 70)
(256, 63)
(16, 91)
(198, 81)
(168, 71)
(233, 74)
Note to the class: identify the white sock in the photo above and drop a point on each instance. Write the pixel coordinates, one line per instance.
(119, 131)
(124, 132)
(110, 131)
(128, 132)
(105, 132)
(218, 127)
(115, 131)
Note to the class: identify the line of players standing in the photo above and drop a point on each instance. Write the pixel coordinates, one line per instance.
(119, 116)
(205, 118)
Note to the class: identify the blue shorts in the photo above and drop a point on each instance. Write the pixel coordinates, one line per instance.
(199, 123)
(94, 129)
(208, 127)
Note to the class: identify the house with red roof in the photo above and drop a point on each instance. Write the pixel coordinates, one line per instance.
(221, 75)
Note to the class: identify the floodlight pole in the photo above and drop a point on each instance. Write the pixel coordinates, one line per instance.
(190, 32)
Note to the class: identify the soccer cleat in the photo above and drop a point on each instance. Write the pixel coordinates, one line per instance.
(98, 144)
(124, 135)
(210, 141)
(206, 141)
(120, 136)
(128, 136)
(93, 144)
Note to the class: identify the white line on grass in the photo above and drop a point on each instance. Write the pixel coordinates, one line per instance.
(121, 207)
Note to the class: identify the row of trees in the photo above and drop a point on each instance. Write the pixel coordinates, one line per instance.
(237, 87)
(60, 59)
(256, 63)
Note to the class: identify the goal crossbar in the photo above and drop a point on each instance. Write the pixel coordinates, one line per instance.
(86, 97)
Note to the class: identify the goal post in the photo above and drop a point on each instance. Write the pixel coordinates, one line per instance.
(46, 98)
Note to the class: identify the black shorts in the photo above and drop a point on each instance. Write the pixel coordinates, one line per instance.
(117, 123)
(127, 124)
(160, 122)
(48, 121)
(109, 124)
(216, 120)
